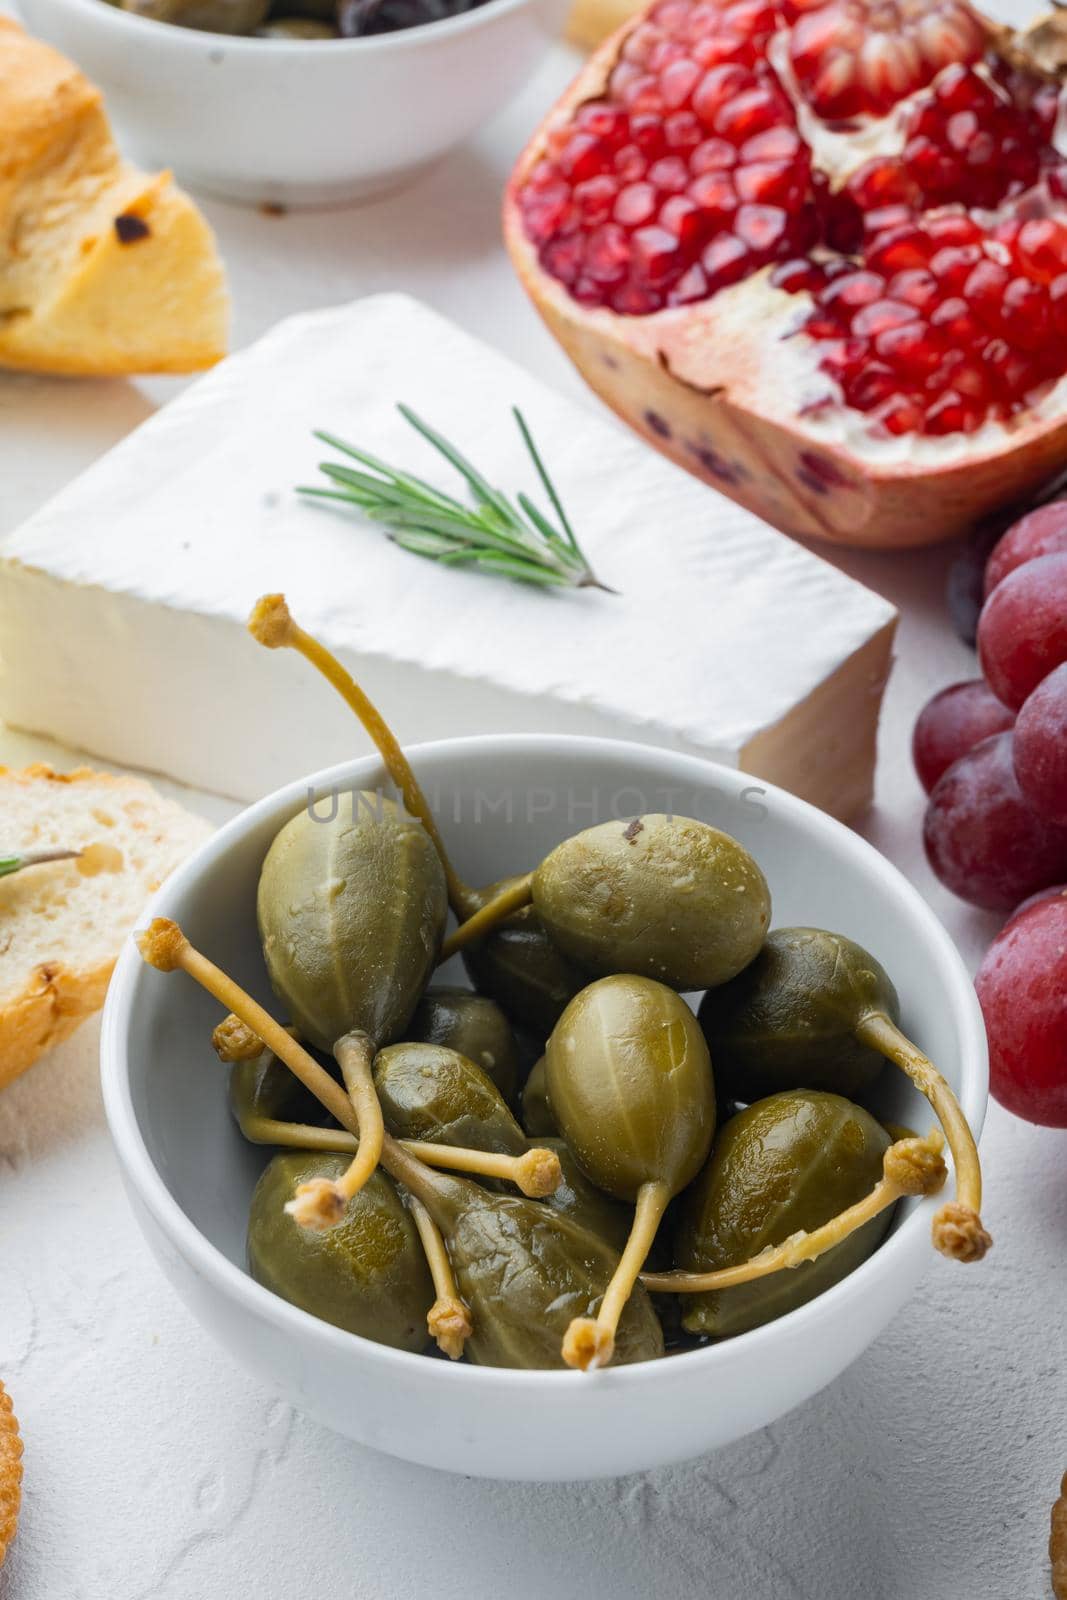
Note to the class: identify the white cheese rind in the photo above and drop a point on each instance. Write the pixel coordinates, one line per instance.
(123, 601)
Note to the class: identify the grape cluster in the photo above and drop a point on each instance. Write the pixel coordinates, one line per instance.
(992, 756)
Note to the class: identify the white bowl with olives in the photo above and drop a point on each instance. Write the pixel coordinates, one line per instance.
(503, 804)
(276, 107)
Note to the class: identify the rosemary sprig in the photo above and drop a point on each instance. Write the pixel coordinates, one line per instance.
(512, 539)
(33, 858)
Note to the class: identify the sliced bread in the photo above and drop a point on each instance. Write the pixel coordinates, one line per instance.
(62, 923)
(103, 269)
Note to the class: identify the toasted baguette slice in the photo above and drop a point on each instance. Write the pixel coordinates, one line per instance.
(60, 929)
(104, 270)
(10, 1472)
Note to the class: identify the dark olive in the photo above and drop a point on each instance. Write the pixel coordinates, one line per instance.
(789, 1020)
(368, 1274)
(631, 1086)
(262, 1086)
(583, 1202)
(664, 897)
(209, 16)
(537, 1117)
(474, 1025)
(786, 1164)
(429, 1092)
(351, 912)
(815, 1010)
(526, 1271)
(519, 966)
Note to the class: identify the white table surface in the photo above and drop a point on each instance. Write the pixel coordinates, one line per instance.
(157, 1470)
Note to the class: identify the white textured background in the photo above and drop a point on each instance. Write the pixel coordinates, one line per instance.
(155, 1470)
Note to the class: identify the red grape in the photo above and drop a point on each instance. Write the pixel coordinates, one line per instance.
(966, 576)
(1040, 533)
(1022, 987)
(952, 723)
(1022, 632)
(1041, 747)
(982, 839)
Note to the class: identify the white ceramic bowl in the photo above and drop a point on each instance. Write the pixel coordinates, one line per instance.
(502, 803)
(297, 122)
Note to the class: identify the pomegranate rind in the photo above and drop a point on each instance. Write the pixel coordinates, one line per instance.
(693, 384)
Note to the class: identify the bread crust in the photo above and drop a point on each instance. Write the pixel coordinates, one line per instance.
(10, 1472)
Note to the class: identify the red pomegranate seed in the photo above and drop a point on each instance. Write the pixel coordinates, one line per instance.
(953, 264)
(915, 287)
(607, 255)
(562, 258)
(692, 285)
(635, 204)
(884, 181)
(725, 260)
(684, 219)
(603, 121)
(953, 318)
(984, 291)
(583, 156)
(714, 192)
(655, 253)
(682, 130)
(635, 300)
(951, 414)
(1042, 249)
(670, 175)
(762, 228)
(953, 228)
(721, 49)
(678, 81)
(646, 131)
(793, 276)
(853, 291)
(880, 315)
(717, 88)
(781, 143)
(1058, 303)
(899, 248)
(872, 385)
(713, 155)
(913, 349)
(594, 199)
(748, 113)
(1025, 314)
(630, 163)
(901, 414)
(767, 183)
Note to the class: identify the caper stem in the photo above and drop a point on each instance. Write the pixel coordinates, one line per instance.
(448, 1320)
(272, 625)
(355, 1056)
(589, 1343)
(484, 920)
(536, 1173)
(911, 1166)
(957, 1227)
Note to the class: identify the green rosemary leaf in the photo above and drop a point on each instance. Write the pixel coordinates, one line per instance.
(481, 487)
(549, 486)
(512, 539)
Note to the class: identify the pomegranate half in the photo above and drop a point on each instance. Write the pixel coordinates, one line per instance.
(816, 252)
